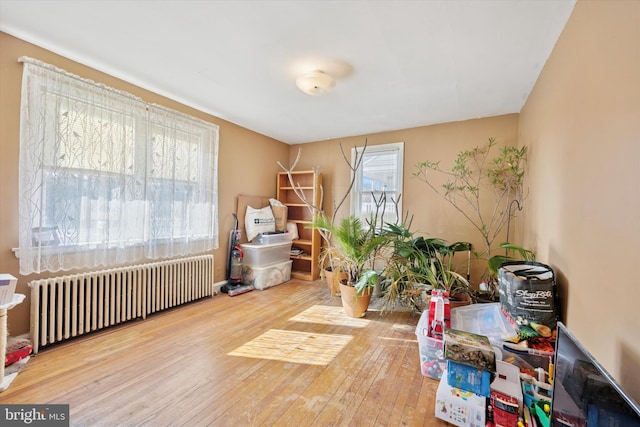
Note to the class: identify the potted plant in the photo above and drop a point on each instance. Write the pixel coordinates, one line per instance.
(404, 281)
(482, 187)
(353, 245)
(418, 264)
(488, 290)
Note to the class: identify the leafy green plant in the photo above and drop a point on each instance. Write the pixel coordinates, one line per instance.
(353, 247)
(418, 264)
(483, 184)
(495, 261)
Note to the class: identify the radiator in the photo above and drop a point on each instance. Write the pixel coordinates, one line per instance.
(68, 306)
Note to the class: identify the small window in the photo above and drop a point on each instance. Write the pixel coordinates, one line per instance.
(378, 185)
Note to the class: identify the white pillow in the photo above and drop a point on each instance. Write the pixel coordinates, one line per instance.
(258, 221)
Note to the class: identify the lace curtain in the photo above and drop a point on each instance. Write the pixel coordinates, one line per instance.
(107, 179)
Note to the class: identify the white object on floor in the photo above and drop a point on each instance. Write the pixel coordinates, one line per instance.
(5, 381)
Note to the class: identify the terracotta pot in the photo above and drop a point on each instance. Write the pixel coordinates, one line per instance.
(333, 282)
(459, 299)
(354, 306)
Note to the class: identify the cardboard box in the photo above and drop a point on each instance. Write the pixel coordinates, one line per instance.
(469, 349)
(506, 395)
(432, 361)
(7, 288)
(460, 407)
(469, 378)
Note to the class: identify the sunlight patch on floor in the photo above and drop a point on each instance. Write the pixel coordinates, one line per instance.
(329, 315)
(404, 327)
(400, 340)
(294, 346)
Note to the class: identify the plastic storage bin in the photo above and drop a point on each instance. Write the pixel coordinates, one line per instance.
(432, 361)
(266, 277)
(256, 255)
(484, 319)
(271, 238)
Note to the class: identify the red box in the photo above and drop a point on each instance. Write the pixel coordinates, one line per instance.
(506, 395)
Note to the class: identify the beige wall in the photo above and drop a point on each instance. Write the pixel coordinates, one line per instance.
(582, 122)
(239, 173)
(432, 216)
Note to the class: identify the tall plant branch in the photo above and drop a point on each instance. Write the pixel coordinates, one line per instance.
(473, 171)
(424, 167)
(316, 210)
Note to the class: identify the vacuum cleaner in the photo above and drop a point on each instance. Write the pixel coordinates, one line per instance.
(234, 284)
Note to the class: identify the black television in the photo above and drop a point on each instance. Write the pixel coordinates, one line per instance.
(584, 394)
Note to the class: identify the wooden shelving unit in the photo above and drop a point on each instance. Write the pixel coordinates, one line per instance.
(305, 266)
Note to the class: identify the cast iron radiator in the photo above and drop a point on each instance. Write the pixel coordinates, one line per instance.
(68, 306)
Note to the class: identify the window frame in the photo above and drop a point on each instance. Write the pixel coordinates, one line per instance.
(357, 192)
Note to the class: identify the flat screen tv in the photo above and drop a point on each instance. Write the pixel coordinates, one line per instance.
(584, 394)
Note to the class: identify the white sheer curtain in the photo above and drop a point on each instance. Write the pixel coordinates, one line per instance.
(106, 179)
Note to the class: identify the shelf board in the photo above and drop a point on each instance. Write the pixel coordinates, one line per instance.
(297, 188)
(303, 257)
(301, 275)
(302, 242)
(299, 221)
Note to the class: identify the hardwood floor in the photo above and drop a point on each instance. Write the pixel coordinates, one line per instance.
(285, 356)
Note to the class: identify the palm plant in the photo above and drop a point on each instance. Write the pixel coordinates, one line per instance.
(353, 249)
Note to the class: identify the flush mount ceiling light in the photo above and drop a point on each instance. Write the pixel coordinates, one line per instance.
(315, 83)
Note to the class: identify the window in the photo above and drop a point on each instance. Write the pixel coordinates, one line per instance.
(110, 178)
(378, 184)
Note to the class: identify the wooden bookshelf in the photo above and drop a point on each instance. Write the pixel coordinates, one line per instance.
(305, 266)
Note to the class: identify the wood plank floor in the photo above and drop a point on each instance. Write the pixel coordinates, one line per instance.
(285, 356)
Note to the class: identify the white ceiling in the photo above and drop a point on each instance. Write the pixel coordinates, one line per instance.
(399, 64)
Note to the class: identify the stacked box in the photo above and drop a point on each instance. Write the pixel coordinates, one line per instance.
(469, 378)
(506, 395)
(469, 349)
(432, 361)
(270, 238)
(460, 407)
(258, 255)
(470, 363)
(266, 265)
